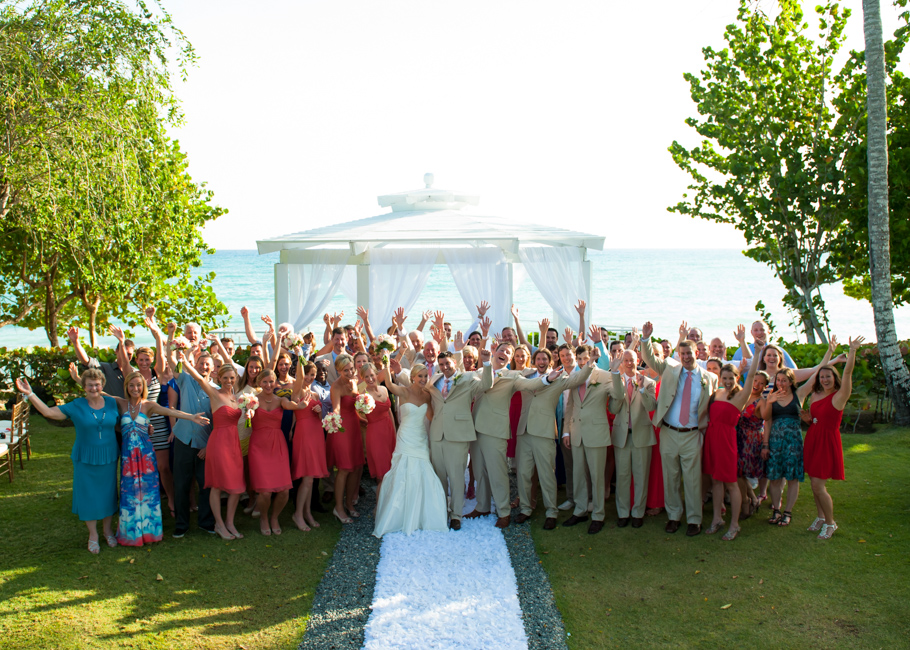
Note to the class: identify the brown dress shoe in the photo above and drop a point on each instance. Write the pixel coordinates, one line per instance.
(550, 523)
(521, 518)
(692, 530)
(595, 527)
(622, 522)
(672, 526)
(574, 519)
(637, 522)
(474, 514)
(455, 524)
(503, 522)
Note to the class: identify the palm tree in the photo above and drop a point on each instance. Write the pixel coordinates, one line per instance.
(897, 375)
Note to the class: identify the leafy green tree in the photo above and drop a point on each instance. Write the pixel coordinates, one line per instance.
(769, 159)
(99, 215)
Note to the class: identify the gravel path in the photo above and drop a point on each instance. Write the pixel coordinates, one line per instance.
(341, 606)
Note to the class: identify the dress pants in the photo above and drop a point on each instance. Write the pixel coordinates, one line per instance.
(534, 451)
(491, 469)
(632, 463)
(589, 461)
(680, 455)
(187, 466)
(450, 459)
(568, 465)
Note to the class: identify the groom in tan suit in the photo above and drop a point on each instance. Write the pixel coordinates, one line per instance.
(633, 396)
(452, 427)
(682, 414)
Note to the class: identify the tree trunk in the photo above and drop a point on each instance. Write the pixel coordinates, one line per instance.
(897, 375)
(91, 306)
(50, 310)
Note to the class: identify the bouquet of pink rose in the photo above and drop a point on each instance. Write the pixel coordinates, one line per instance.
(386, 345)
(250, 403)
(181, 343)
(332, 423)
(292, 340)
(364, 403)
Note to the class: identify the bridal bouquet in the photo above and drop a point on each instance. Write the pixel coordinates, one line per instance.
(293, 340)
(386, 345)
(332, 423)
(181, 343)
(250, 403)
(364, 403)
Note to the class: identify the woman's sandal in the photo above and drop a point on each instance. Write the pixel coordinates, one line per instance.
(775, 517)
(344, 520)
(827, 531)
(111, 540)
(816, 525)
(224, 533)
(93, 547)
(730, 535)
(786, 519)
(713, 528)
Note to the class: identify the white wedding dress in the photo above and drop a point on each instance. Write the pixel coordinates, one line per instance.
(411, 497)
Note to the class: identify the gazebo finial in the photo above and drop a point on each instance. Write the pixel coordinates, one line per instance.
(428, 179)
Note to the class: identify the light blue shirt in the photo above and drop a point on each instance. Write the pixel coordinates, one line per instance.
(324, 392)
(672, 416)
(192, 400)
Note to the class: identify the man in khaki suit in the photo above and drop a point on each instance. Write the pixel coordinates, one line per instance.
(633, 396)
(535, 447)
(488, 451)
(682, 414)
(589, 438)
(452, 427)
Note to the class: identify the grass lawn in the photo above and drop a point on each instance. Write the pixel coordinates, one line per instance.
(254, 593)
(785, 588)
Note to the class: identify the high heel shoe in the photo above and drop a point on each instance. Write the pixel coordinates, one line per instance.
(223, 533)
(344, 520)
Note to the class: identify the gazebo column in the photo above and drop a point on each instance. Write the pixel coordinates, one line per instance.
(363, 286)
(282, 300)
(510, 292)
(589, 290)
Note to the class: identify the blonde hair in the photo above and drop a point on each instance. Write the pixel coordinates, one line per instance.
(342, 360)
(126, 382)
(365, 367)
(225, 368)
(416, 369)
(145, 350)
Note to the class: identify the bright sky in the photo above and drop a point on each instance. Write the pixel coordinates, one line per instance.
(301, 113)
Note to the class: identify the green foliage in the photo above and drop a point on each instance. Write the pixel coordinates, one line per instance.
(780, 152)
(100, 217)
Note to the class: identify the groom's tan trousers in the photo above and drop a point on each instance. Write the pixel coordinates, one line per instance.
(450, 459)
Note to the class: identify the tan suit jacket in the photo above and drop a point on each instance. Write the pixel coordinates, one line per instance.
(452, 414)
(527, 394)
(590, 425)
(491, 409)
(542, 412)
(669, 371)
(642, 403)
(331, 373)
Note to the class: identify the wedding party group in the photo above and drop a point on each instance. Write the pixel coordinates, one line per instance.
(436, 418)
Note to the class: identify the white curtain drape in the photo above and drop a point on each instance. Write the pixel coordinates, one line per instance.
(348, 286)
(397, 277)
(312, 286)
(482, 274)
(558, 273)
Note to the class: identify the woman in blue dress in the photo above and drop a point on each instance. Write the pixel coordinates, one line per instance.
(94, 453)
(140, 491)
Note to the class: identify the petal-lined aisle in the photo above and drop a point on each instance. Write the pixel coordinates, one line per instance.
(446, 590)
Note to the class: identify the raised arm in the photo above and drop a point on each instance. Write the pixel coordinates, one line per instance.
(152, 325)
(221, 350)
(521, 334)
(123, 361)
(276, 352)
(807, 375)
(248, 325)
(157, 409)
(740, 335)
(846, 382)
(364, 315)
(657, 365)
(424, 319)
(169, 352)
(742, 397)
(50, 412)
(73, 334)
(580, 308)
(188, 368)
(386, 377)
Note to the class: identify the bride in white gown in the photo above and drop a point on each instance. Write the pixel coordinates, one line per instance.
(412, 497)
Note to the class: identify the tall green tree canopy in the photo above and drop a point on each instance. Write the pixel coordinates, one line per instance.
(781, 133)
(98, 215)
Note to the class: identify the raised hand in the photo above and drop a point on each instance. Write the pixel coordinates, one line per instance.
(438, 333)
(485, 325)
(150, 312)
(325, 319)
(482, 308)
(171, 328)
(459, 340)
(543, 325)
(337, 318)
(358, 327)
(23, 386)
(636, 337)
(485, 356)
(832, 344)
(74, 372)
(244, 312)
(151, 325)
(594, 331)
(514, 312)
(567, 335)
(554, 375)
(399, 317)
(854, 343)
(683, 331)
(647, 330)
(740, 333)
(363, 313)
(427, 315)
(580, 307)
(439, 318)
(615, 363)
(73, 334)
(268, 321)
(394, 365)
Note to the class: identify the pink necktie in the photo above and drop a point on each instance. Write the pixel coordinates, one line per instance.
(629, 388)
(686, 401)
(581, 392)
(445, 389)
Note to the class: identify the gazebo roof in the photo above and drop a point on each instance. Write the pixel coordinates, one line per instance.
(430, 217)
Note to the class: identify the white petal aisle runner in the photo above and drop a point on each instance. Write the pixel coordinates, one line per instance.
(446, 590)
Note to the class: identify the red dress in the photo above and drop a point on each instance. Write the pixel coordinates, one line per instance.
(223, 458)
(308, 444)
(823, 454)
(347, 446)
(656, 473)
(514, 417)
(719, 455)
(270, 468)
(380, 439)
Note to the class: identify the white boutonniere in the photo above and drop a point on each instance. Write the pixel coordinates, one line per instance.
(704, 382)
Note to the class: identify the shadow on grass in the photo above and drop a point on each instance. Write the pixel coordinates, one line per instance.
(196, 591)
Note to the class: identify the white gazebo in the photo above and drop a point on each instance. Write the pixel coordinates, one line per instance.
(391, 256)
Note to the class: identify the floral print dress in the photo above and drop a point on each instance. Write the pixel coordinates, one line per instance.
(140, 495)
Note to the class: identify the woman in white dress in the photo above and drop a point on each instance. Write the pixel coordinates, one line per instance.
(412, 497)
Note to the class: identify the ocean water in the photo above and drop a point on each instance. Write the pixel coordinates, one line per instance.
(713, 289)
